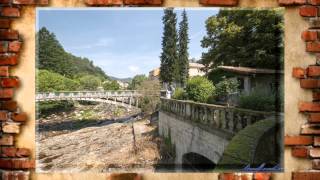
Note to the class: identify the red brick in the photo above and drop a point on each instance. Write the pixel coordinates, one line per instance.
(316, 164)
(316, 95)
(298, 140)
(316, 141)
(309, 83)
(104, 2)
(4, 71)
(305, 175)
(298, 72)
(142, 2)
(309, 35)
(262, 176)
(219, 2)
(314, 2)
(3, 116)
(292, 2)
(9, 105)
(4, 1)
(125, 176)
(308, 11)
(9, 82)
(313, 47)
(6, 93)
(6, 140)
(14, 46)
(301, 152)
(43, 2)
(14, 152)
(8, 34)
(10, 12)
(8, 59)
(15, 175)
(17, 164)
(4, 23)
(310, 129)
(313, 71)
(314, 117)
(19, 117)
(227, 176)
(3, 46)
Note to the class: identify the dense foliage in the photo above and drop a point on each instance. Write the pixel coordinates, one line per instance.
(200, 89)
(136, 81)
(89, 82)
(46, 108)
(244, 38)
(169, 53)
(149, 103)
(226, 87)
(48, 81)
(182, 64)
(51, 56)
(258, 100)
(180, 94)
(111, 85)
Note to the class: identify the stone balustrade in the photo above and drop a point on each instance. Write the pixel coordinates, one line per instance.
(230, 119)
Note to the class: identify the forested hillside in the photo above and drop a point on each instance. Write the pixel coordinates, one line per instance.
(53, 57)
(59, 70)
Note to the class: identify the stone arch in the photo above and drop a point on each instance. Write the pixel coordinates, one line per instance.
(196, 162)
(252, 144)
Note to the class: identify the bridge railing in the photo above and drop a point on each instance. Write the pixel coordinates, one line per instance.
(86, 94)
(227, 118)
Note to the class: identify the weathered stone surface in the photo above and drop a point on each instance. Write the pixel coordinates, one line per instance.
(11, 127)
(190, 138)
(99, 149)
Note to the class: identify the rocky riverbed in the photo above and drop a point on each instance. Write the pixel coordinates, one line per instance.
(74, 142)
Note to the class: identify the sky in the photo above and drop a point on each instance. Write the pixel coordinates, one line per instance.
(123, 42)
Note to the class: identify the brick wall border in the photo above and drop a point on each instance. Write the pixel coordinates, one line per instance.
(15, 162)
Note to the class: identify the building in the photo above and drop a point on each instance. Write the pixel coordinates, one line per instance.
(123, 85)
(195, 69)
(251, 79)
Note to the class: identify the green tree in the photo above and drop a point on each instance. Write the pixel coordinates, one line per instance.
(149, 102)
(200, 89)
(183, 55)
(169, 53)
(226, 86)
(136, 81)
(111, 85)
(89, 82)
(251, 38)
(49, 82)
(51, 56)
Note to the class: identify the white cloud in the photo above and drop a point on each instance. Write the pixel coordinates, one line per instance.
(102, 42)
(134, 68)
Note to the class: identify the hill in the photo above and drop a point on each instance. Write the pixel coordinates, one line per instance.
(52, 56)
(127, 80)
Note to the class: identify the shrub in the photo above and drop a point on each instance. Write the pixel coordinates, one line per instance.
(258, 100)
(49, 81)
(179, 94)
(199, 89)
(47, 108)
(89, 82)
(111, 85)
(226, 86)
